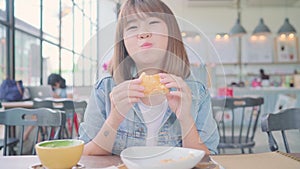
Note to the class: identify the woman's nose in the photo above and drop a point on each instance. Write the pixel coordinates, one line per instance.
(144, 35)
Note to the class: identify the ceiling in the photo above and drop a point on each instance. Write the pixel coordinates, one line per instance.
(233, 3)
(248, 3)
(273, 3)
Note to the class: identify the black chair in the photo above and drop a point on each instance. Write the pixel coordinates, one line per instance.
(38, 103)
(70, 107)
(287, 119)
(49, 125)
(80, 107)
(237, 121)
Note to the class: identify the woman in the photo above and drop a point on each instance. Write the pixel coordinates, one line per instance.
(59, 88)
(119, 115)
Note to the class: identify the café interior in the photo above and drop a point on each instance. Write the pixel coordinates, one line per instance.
(246, 52)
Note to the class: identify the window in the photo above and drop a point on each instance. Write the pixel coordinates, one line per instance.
(51, 36)
(67, 66)
(27, 13)
(50, 60)
(27, 59)
(3, 9)
(78, 70)
(51, 20)
(78, 28)
(67, 25)
(3, 45)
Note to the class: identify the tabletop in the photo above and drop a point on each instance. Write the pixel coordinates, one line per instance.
(21, 162)
(29, 103)
(21, 104)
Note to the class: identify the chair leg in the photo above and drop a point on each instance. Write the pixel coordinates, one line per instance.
(75, 120)
(70, 127)
(250, 151)
(243, 151)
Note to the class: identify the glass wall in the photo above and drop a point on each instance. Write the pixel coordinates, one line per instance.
(3, 40)
(27, 58)
(2, 9)
(50, 36)
(3, 47)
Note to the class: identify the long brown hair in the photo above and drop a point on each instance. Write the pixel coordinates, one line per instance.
(176, 61)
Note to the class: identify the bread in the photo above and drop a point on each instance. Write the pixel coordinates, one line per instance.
(152, 84)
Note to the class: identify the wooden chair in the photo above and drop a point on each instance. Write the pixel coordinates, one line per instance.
(237, 121)
(49, 125)
(287, 119)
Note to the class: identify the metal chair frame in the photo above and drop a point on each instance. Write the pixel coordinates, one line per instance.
(48, 121)
(69, 107)
(246, 111)
(287, 119)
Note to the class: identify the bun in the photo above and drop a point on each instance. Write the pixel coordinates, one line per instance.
(152, 84)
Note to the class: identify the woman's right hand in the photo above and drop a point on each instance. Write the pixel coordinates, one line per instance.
(123, 97)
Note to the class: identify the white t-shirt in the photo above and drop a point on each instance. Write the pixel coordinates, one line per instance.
(153, 116)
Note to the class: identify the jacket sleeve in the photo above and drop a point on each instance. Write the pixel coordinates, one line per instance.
(95, 114)
(205, 123)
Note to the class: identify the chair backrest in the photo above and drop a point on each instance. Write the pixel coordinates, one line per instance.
(237, 121)
(287, 119)
(37, 103)
(70, 107)
(49, 122)
(80, 107)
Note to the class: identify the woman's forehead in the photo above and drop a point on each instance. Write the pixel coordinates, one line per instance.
(140, 17)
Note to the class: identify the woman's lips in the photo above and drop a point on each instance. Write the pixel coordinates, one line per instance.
(146, 45)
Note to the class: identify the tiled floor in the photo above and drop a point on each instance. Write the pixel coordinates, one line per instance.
(261, 140)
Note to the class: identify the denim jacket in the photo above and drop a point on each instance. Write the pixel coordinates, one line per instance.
(132, 131)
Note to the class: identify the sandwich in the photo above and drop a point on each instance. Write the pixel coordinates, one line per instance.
(153, 85)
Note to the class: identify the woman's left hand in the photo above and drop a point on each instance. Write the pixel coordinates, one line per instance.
(180, 100)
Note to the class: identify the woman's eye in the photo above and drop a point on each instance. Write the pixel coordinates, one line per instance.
(153, 22)
(131, 28)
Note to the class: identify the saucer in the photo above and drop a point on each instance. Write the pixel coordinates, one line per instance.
(40, 166)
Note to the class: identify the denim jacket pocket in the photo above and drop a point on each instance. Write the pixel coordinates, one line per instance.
(120, 141)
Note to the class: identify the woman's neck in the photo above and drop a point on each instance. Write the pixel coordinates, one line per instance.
(149, 71)
(153, 100)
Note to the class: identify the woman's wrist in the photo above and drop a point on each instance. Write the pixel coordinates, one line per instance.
(114, 120)
(186, 120)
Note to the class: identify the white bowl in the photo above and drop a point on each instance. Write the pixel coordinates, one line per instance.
(161, 157)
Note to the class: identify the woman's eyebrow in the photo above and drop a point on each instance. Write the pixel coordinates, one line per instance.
(131, 21)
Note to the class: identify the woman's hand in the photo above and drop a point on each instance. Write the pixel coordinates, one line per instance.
(180, 100)
(122, 98)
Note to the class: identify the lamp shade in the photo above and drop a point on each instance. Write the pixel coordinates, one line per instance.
(237, 29)
(261, 28)
(286, 28)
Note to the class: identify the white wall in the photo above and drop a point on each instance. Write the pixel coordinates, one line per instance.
(221, 19)
(107, 23)
(210, 21)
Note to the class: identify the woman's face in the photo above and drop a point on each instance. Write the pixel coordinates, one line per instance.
(146, 40)
(56, 85)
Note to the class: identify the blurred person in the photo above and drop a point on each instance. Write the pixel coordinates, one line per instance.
(59, 87)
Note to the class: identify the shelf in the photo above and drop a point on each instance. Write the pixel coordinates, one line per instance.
(245, 64)
(257, 75)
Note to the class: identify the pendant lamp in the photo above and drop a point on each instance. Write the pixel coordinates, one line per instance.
(287, 28)
(261, 28)
(237, 29)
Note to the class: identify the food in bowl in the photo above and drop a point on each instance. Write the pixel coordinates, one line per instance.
(59, 154)
(160, 157)
(153, 85)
